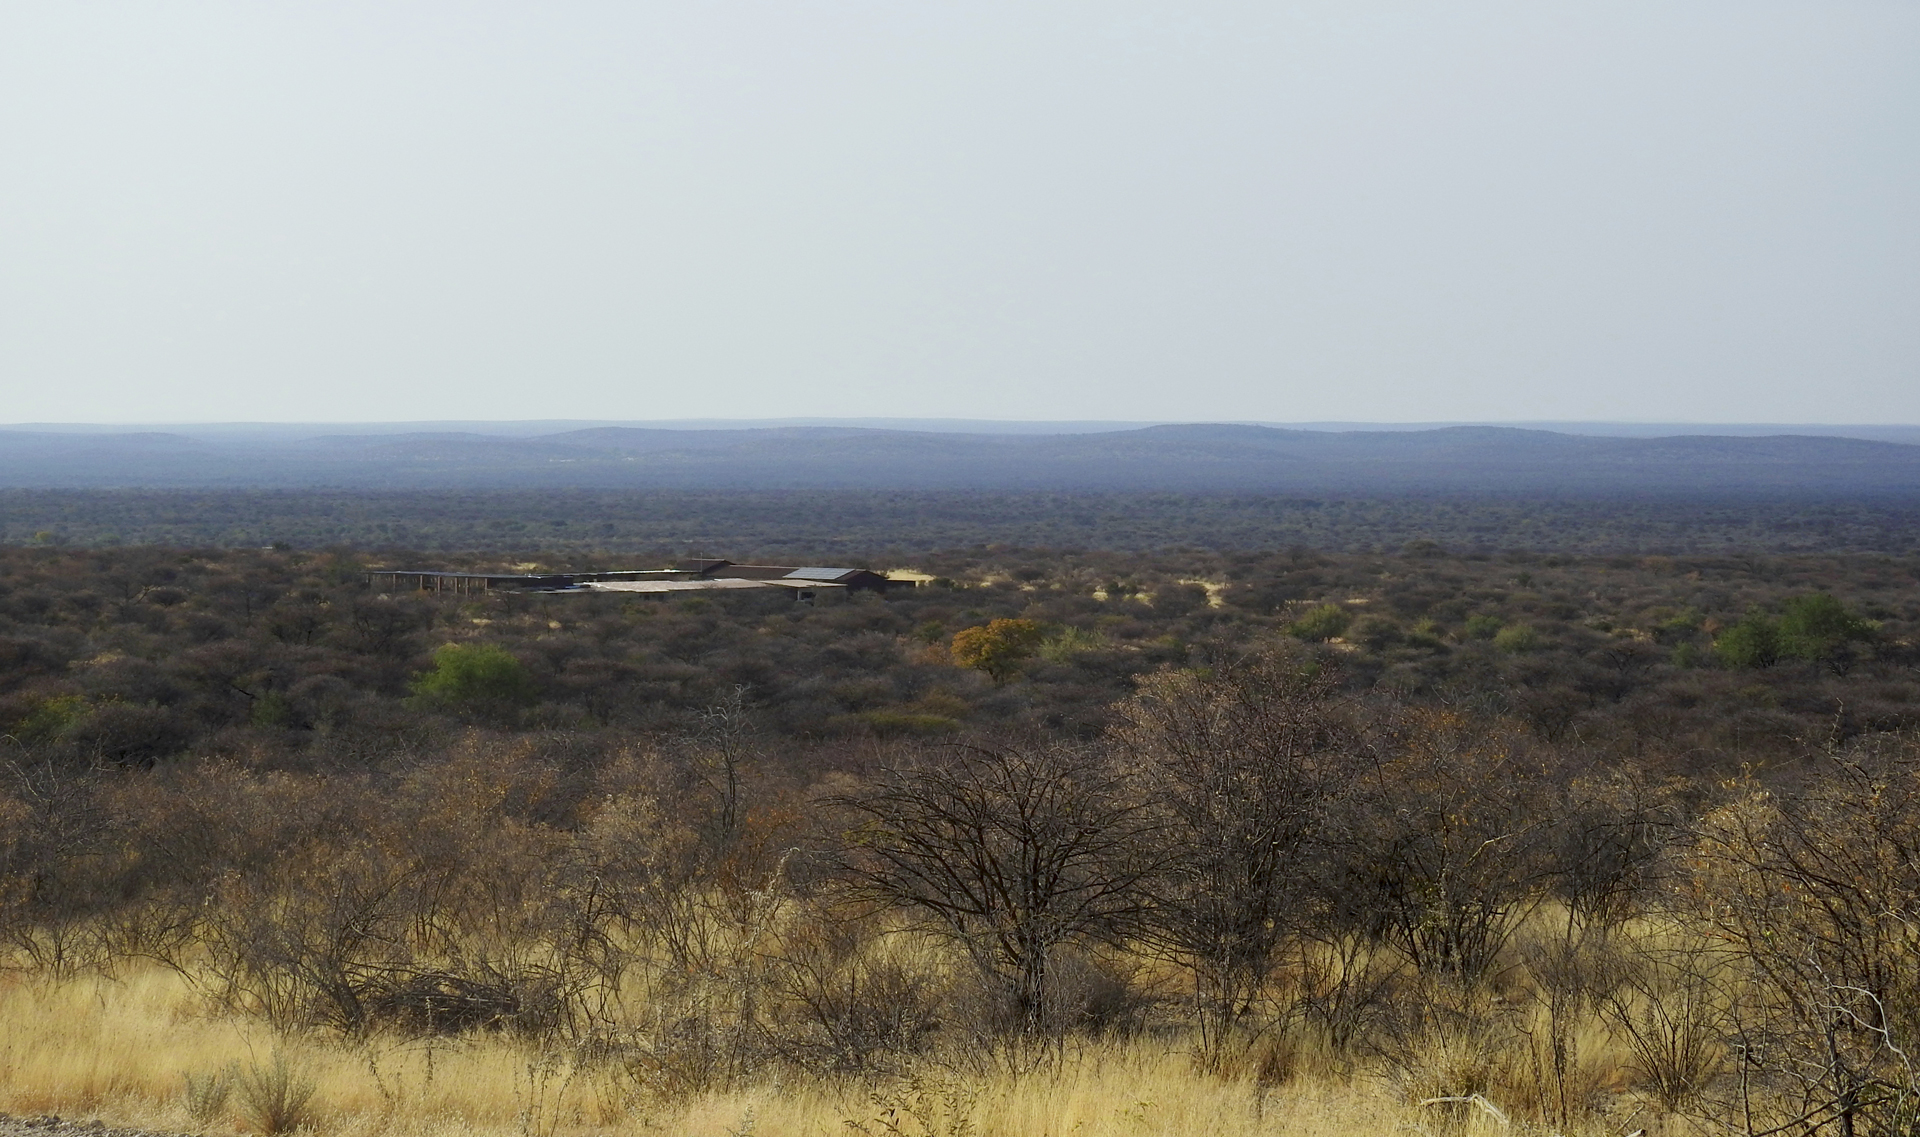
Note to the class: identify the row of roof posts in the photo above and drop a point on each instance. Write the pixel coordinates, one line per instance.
(407, 580)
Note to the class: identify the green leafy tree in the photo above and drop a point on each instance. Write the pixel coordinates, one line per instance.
(1678, 628)
(49, 718)
(1819, 628)
(1753, 642)
(1322, 623)
(1516, 638)
(479, 677)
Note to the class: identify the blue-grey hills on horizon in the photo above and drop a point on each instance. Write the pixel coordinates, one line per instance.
(1565, 459)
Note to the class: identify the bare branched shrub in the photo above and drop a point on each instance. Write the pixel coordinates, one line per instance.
(707, 1016)
(438, 1002)
(1439, 1038)
(1671, 1012)
(1012, 852)
(1562, 970)
(1236, 765)
(919, 1105)
(715, 932)
(1341, 983)
(438, 905)
(1097, 992)
(686, 1046)
(58, 866)
(1607, 834)
(1609, 841)
(1819, 893)
(1443, 843)
(848, 1000)
(718, 750)
(679, 891)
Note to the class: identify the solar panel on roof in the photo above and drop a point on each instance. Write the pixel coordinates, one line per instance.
(817, 574)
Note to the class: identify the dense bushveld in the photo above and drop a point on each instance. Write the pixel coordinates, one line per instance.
(843, 524)
(132, 656)
(1173, 842)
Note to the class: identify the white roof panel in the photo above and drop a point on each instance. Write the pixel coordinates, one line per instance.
(723, 584)
(825, 574)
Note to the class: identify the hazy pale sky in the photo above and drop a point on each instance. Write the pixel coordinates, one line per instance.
(1447, 209)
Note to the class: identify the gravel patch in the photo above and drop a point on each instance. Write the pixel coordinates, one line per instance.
(49, 1125)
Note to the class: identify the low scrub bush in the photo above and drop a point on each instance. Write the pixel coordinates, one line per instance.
(274, 1096)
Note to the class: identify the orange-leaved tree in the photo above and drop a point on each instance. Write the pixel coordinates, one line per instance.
(997, 648)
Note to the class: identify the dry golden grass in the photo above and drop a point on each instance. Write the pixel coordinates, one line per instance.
(121, 1049)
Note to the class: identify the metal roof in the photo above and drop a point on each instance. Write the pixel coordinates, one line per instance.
(821, 574)
(464, 575)
(723, 584)
(668, 585)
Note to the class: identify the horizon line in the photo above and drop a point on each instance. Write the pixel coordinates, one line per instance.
(826, 420)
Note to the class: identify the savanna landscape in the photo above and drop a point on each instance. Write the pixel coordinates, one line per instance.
(1063, 840)
(846, 568)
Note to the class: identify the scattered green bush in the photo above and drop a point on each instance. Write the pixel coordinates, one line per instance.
(1516, 638)
(1321, 623)
(1375, 633)
(1069, 642)
(49, 718)
(1818, 628)
(1677, 628)
(476, 676)
(1815, 627)
(1753, 642)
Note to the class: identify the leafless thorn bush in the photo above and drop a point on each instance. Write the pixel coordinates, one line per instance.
(1012, 853)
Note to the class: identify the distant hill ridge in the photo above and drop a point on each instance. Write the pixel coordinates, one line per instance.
(1184, 457)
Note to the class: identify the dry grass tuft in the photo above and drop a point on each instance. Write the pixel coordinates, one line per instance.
(142, 1049)
(275, 1097)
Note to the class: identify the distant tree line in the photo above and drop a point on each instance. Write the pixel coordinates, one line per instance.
(837, 525)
